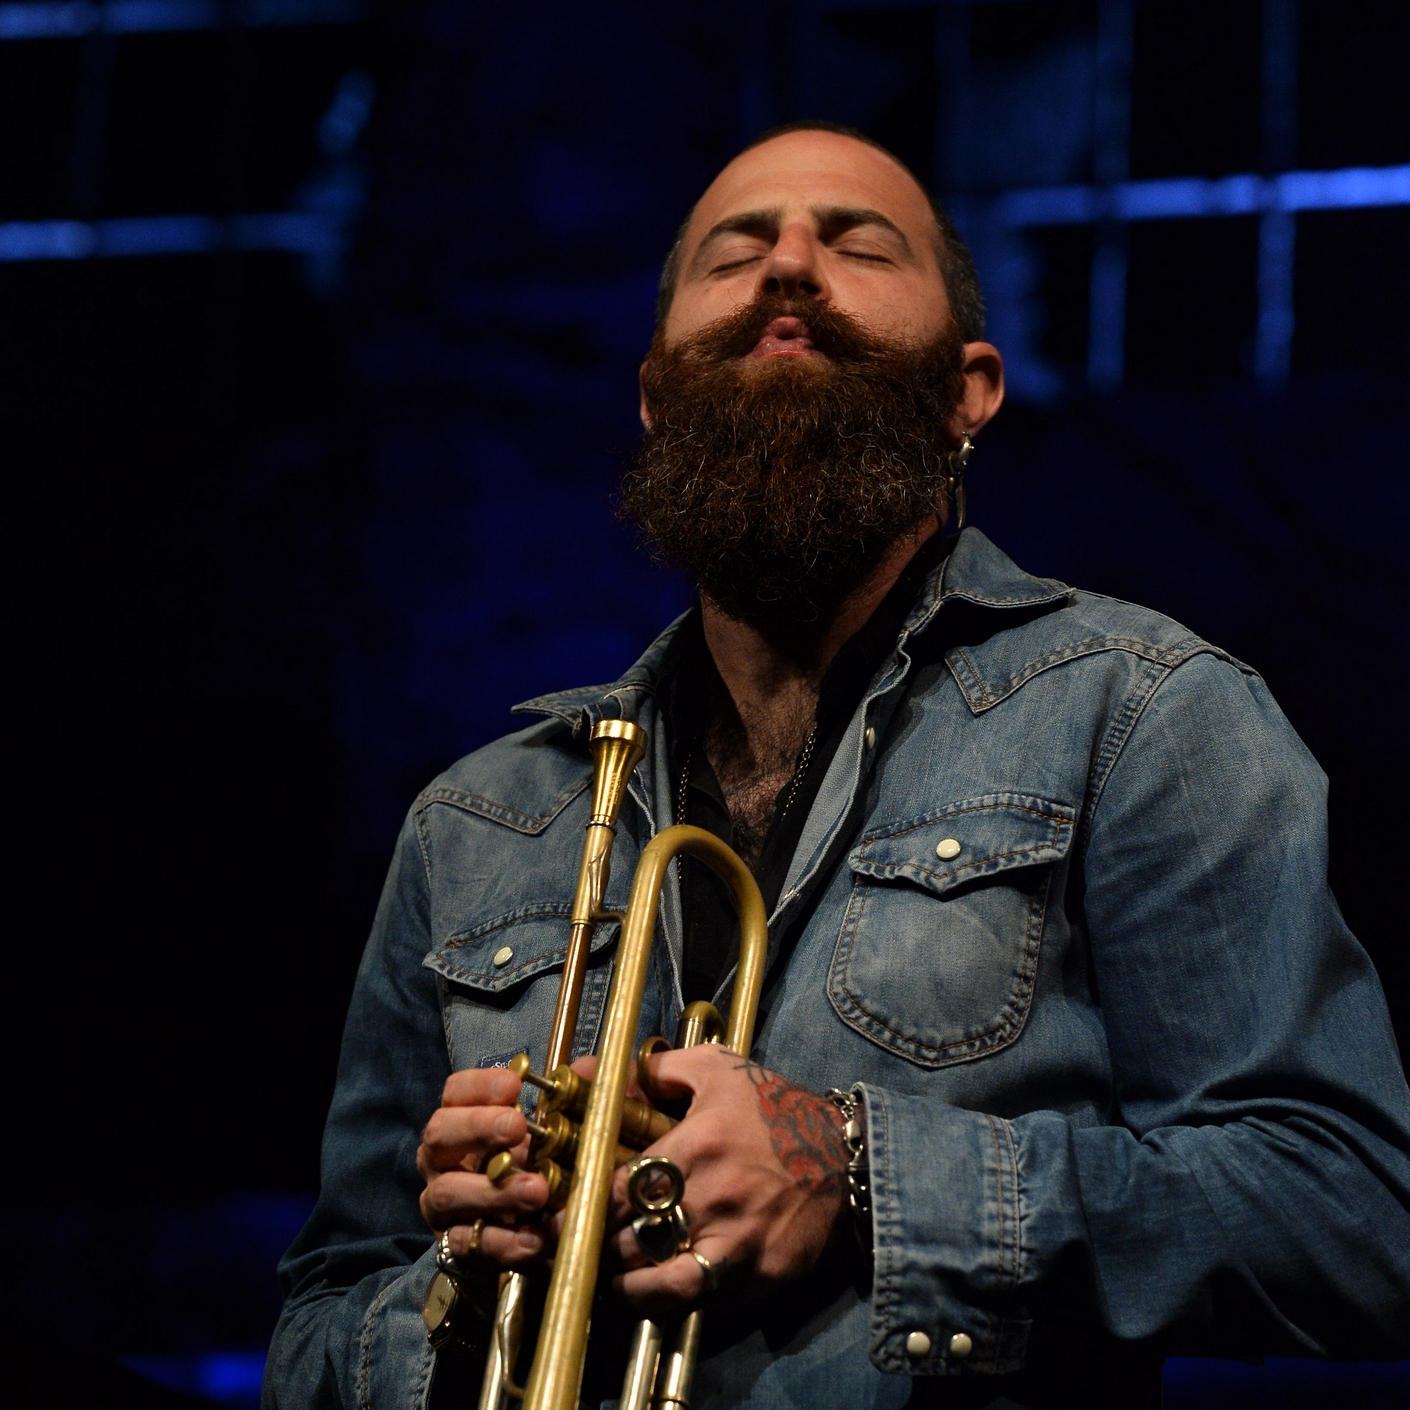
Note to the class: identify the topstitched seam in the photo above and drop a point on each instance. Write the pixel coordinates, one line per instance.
(941, 816)
(999, 1193)
(364, 1367)
(898, 867)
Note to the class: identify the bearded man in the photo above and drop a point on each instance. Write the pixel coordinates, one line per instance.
(1046, 879)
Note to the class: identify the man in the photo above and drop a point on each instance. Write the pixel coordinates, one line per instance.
(1047, 884)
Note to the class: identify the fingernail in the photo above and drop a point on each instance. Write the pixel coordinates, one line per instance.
(504, 1127)
(530, 1240)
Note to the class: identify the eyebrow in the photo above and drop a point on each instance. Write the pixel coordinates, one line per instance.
(832, 221)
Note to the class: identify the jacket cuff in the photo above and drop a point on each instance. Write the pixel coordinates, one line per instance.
(395, 1362)
(947, 1239)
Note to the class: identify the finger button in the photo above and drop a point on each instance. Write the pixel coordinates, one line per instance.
(500, 1168)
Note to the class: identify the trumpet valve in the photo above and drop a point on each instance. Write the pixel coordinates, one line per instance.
(555, 1138)
(560, 1184)
(642, 1125)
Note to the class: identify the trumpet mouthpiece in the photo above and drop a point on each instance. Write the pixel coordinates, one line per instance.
(617, 748)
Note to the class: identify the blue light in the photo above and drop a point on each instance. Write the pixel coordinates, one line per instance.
(231, 1377)
(226, 1377)
(161, 234)
(69, 19)
(298, 232)
(46, 239)
(341, 125)
(1349, 188)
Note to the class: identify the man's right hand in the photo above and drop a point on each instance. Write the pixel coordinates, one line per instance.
(477, 1117)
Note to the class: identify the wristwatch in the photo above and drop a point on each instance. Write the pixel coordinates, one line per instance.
(454, 1310)
(854, 1134)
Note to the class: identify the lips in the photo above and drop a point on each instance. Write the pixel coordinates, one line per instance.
(784, 337)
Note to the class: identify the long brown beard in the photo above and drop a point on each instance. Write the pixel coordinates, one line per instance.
(778, 485)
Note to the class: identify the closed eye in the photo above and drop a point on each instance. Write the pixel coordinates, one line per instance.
(725, 266)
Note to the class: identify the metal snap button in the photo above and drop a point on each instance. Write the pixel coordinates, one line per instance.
(917, 1344)
(870, 737)
(503, 956)
(947, 849)
(961, 1345)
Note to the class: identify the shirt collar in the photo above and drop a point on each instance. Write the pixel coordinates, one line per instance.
(973, 571)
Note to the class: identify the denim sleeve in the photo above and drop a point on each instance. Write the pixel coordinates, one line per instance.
(351, 1333)
(1252, 1193)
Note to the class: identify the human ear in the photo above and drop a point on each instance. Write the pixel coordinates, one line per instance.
(983, 391)
(643, 411)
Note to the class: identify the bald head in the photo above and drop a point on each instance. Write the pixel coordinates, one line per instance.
(824, 213)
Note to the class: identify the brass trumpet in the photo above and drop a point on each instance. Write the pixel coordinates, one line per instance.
(614, 1128)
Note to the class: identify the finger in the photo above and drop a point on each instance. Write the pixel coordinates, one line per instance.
(481, 1086)
(509, 1248)
(623, 1252)
(670, 1073)
(465, 1135)
(458, 1197)
(674, 1284)
(679, 1073)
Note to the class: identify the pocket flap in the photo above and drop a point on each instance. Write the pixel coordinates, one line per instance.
(965, 841)
(535, 937)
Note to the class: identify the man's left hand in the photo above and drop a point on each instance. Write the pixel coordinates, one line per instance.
(766, 1186)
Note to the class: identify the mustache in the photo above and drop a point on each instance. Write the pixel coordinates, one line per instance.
(840, 337)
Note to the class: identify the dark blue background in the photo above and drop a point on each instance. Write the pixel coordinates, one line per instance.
(288, 539)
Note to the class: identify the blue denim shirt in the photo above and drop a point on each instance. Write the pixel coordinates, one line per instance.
(1129, 1079)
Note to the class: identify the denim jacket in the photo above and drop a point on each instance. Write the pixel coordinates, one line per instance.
(1129, 1080)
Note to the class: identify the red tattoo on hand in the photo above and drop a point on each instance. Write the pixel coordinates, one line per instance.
(805, 1129)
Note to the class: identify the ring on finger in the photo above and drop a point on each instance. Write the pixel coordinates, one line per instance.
(711, 1272)
(446, 1261)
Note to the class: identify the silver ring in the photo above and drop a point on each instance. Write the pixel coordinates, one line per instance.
(712, 1274)
(445, 1259)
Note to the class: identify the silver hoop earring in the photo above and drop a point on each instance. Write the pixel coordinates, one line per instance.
(954, 487)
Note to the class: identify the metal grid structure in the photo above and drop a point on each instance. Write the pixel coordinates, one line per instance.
(995, 221)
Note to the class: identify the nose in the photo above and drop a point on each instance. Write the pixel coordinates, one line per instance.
(794, 267)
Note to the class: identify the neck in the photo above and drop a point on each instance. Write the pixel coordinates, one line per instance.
(757, 726)
(762, 668)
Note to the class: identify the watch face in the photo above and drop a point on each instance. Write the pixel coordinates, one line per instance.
(439, 1304)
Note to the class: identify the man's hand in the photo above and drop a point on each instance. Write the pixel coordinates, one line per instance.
(765, 1167)
(478, 1116)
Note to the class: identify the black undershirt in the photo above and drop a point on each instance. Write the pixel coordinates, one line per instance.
(711, 932)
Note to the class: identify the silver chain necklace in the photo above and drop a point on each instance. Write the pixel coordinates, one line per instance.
(800, 769)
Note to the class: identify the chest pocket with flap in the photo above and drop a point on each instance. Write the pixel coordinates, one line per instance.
(493, 1006)
(939, 944)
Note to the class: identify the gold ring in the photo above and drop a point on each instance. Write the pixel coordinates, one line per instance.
(712, 1274)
